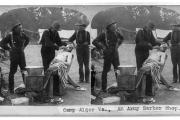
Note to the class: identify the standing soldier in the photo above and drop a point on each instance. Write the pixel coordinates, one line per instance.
(174, 38)
(17, 42)
(82, 50)
(109, 42)
(50, 42)
(145, 42)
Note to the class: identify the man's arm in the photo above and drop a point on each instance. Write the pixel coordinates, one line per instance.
(154, 42)
(120, 38)
(98, 41)
(59, 42)
(5, 41)
(26, 41)
(167, 38)
(73, 37)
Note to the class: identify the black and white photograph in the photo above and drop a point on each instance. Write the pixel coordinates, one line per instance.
(89, 59)
(135, 56)
(45, 56)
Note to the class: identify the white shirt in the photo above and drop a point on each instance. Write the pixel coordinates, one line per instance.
(158, 56)
(65, 57)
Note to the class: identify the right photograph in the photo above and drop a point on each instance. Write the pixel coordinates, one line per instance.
(135, 56)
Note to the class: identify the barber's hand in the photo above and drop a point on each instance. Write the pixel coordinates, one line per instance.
(156, 47)
(56, 47)
(150, 45)
(62, 47)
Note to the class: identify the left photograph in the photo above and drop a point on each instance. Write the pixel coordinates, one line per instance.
(44, 56)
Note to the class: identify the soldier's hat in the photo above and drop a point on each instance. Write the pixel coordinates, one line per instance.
(81, 24)
(109, 24)
(15, 26)
(56, 24)
(151, 24)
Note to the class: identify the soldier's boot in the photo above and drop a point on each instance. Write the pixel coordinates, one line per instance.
(24, 74)
(104, 81)
(11, 83)
(116, 74)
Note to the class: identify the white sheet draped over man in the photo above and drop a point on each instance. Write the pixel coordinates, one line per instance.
(60, 66)
(153, 65)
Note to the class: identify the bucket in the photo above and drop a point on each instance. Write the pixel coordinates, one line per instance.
(34, 70)
(20, 101)
(127, 69)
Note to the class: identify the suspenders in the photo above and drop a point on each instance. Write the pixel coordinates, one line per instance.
(81, 38)
(106, 41)
(12, 40)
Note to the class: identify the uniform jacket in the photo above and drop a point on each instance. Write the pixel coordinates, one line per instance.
(82, 37)
(14, 42)
(174, 37)
(51, 40)
(145, 40)
(108, 40)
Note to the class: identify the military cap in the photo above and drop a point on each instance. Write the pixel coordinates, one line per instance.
(80, 24)
(56, 25)
(110, 24)
(151, 24)
(15, 26)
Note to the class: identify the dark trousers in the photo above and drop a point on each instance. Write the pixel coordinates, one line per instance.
(83, 57)
(93, 79)
(109, 58)
(48, 55)
(141, 56)
(16, 58)
(175, 58)
(146, 86)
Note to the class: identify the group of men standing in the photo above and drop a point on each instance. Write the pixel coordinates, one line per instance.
(16, 42)
(110, 40)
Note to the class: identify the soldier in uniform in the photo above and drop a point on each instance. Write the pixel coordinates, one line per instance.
(50, 42)
(109, 42)
(174, 38)
(82, 38)
(145, 41)
(15, 42)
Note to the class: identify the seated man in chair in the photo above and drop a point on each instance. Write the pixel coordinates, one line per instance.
(60, 67)
(153, 65)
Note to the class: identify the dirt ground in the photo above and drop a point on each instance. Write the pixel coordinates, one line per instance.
(71, 97)
(127, 57)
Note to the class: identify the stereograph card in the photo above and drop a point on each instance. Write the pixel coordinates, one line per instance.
(89, 60)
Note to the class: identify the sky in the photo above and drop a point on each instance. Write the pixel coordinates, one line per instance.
(6, 8)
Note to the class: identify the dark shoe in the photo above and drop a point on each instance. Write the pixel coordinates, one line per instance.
(93, 93)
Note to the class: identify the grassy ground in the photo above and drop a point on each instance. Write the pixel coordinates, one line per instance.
(71, 97)
(127, 57)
